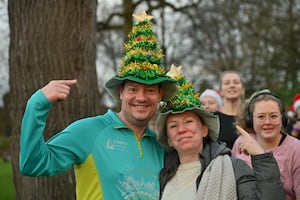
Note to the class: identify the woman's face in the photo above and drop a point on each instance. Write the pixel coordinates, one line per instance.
(267, 120)
(210, 103)
(231, 86)
(185, 132)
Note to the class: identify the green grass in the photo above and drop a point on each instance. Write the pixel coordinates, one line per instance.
(6, 181)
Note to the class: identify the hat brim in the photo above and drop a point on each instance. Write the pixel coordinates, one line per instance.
(211, 120)
(168, 85)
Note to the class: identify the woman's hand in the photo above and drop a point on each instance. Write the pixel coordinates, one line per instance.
(247, 144)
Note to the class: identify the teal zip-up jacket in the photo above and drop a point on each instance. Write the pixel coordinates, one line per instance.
(109, 161)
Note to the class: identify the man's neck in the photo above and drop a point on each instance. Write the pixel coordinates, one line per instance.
(137, 128)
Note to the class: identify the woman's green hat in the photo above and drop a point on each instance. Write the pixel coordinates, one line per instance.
(142, 60)
(186, 99)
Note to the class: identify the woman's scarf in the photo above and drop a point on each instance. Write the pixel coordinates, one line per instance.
(218, 180)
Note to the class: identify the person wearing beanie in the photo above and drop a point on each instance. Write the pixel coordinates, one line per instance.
(293, 127)
(115, 156)
(197, 166)
(211, 100)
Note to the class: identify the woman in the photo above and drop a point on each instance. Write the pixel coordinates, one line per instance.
(232, 91)
(265, 118)
(211, 100)
(198, 167)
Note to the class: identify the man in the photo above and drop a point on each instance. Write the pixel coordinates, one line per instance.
(115, 155)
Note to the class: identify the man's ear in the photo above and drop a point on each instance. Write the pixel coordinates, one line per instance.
(121, 89)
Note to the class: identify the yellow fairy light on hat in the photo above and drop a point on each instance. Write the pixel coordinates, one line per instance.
(142, 16)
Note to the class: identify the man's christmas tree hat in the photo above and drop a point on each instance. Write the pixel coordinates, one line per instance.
(186, 99)
(142, 60)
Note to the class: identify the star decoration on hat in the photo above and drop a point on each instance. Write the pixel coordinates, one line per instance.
(142, 16)
(174, 71)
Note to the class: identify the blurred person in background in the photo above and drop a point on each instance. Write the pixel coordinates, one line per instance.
(211, 100)
(293, 127)
(232, 91)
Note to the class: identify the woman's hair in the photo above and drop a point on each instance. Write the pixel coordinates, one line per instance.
(264, 97)
(240, 118)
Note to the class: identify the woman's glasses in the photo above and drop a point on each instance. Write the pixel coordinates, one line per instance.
(273, 118)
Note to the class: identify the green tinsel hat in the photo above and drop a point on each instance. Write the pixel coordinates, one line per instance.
(185, 99)
(142, 60)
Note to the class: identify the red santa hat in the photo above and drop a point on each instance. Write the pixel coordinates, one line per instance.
(296, 102)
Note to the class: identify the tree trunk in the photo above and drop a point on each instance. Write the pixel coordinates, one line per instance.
(51, 40)
(128, 9)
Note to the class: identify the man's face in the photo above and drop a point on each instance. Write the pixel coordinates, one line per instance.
(139, 102)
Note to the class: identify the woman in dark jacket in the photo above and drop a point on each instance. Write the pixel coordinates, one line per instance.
(198, 167)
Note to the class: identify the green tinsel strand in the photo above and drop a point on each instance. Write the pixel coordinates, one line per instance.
(144, 45)
(142, 58)
(146, 66)
(186, 97)
(146, 75)
(147, 33)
